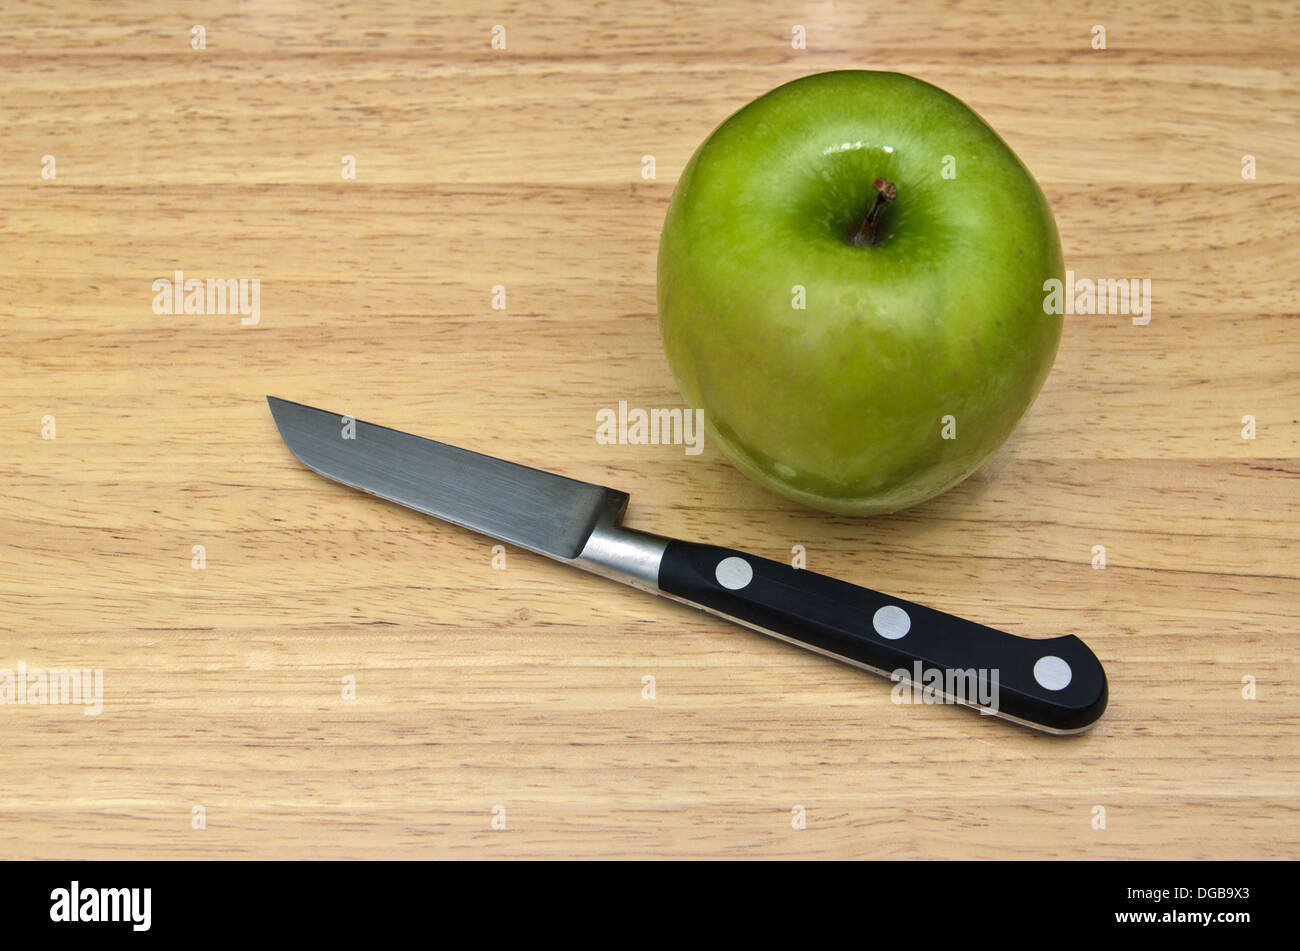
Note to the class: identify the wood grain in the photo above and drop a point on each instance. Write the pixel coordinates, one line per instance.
(522, 687)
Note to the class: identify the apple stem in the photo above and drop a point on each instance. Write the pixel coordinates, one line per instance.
(867, 234)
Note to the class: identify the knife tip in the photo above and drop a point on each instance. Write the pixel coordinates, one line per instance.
(276, 405)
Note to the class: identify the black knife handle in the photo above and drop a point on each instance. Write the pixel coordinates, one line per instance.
(1053, 684)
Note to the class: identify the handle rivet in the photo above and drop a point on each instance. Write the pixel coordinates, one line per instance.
(1052, 673)
(734, 573)
(891, 622)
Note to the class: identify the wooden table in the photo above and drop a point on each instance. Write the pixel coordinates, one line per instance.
(517, 696)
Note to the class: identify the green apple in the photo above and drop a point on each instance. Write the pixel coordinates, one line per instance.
(851, 285)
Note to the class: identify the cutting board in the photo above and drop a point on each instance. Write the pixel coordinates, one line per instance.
(453, 230)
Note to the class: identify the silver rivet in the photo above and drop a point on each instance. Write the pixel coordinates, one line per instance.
(734, 573)
(1052, 672)
(891, 622)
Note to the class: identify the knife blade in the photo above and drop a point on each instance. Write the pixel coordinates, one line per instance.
(1056, 685)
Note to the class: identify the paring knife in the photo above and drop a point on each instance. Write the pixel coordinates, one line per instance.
(1054, 684)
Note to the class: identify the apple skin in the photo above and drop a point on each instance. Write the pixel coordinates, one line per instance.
(841, 405)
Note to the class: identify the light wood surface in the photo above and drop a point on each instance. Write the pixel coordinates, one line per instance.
(522, 687)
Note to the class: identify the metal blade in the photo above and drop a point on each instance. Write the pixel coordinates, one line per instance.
(537, 510)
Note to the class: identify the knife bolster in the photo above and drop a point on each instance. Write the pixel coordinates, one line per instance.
(623, 554)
